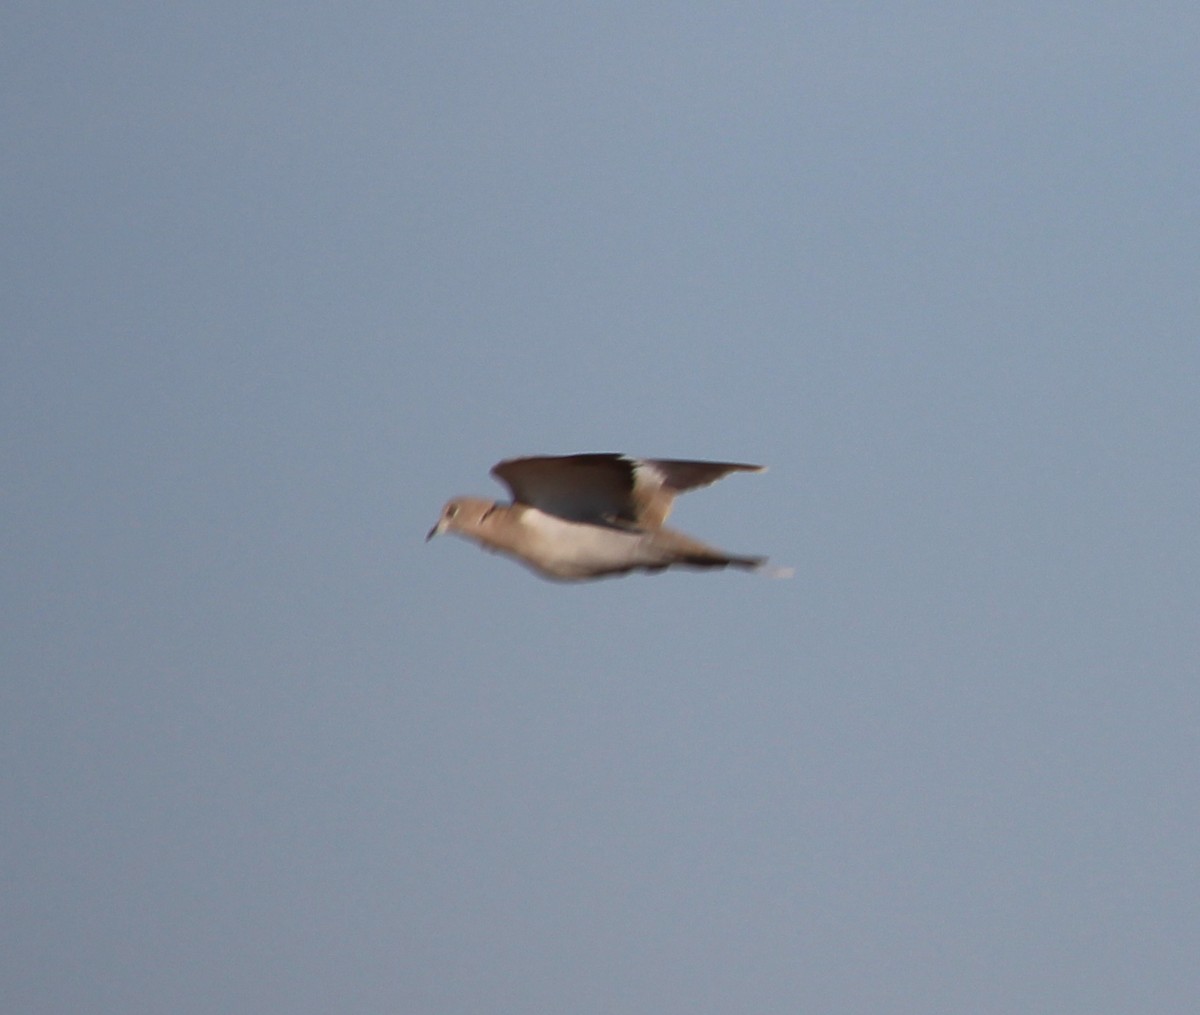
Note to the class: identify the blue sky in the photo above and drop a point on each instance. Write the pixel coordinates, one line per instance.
(279, 282)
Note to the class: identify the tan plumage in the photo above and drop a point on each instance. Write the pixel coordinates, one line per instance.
(592, 515)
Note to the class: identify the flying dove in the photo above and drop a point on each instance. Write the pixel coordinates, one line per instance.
(575, 517)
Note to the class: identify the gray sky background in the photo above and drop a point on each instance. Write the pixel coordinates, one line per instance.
(279, 279)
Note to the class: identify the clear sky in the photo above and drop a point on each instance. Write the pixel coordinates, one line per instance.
(280, 279)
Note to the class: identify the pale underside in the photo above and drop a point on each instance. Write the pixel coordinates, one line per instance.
(573, 550)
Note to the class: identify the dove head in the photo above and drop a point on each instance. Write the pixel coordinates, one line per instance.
(463, 515)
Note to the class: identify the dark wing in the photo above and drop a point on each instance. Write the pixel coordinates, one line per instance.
(608, 489)
(580, 488)
(658, 480)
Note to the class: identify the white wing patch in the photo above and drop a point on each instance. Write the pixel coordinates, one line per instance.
(647, 473)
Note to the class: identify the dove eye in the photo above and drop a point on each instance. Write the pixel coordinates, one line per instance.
(451, 510)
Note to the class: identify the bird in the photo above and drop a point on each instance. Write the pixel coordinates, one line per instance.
(586, 516)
